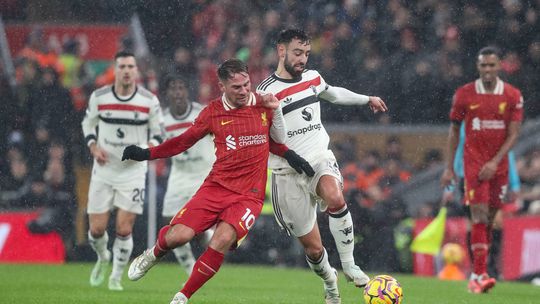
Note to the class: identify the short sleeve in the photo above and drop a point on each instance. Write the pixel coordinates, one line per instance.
(458, 110)
(517, 110)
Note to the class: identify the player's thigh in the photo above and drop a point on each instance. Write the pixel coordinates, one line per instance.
(476, 191)
(327, 189)
(130, 196)
(100, 197)
(241, 213)
(294, 207)
(201, 211)
(498, 188)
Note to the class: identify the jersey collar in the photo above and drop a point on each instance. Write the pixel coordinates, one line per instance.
(228, 105)
(480, 89)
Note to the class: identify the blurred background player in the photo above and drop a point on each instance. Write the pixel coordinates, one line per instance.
(514, 186)
(492, 111)
(232, 195)
(189, 168)
(294, 197)
(125, 114)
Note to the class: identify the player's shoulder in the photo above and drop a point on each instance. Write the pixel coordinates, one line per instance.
(103, 90)
(467, 88)
(512, 90)
(197, 107)
(267, 83)
(145, 93)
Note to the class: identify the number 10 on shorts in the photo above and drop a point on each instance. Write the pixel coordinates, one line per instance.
(248, 218)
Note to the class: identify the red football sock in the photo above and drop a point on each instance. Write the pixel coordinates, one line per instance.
(479, 246)
(161, 247)
(204, 269)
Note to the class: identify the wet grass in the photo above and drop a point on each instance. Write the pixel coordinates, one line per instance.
(21, 284)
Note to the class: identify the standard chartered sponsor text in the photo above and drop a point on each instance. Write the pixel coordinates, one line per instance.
(248, 140)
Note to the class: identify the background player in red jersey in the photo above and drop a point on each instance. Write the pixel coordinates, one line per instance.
(233, 193)
(492, 111)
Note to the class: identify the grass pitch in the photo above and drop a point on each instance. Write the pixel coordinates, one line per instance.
(22, 284)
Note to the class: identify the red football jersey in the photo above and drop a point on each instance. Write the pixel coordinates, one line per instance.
(241, 138)
(486, 117)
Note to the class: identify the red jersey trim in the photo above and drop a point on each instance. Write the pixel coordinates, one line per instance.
(298, 88)
(123, 107)
(177, 126)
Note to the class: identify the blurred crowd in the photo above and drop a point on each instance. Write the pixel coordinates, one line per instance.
(413, 54)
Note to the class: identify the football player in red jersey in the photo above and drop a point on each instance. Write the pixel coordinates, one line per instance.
(232, 195)
(492, 111)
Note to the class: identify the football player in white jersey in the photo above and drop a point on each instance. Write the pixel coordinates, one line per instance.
(188, 169)
(295, 197)
(125, 114)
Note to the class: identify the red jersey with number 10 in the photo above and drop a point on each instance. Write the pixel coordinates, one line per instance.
(486, 117)
(241, 138)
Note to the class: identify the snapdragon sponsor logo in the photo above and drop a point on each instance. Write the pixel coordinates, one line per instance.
(304, 130)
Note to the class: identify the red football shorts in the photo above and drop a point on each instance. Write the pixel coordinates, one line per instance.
(213, 203)
(491, 192)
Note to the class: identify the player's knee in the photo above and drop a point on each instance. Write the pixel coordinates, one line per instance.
(97, 232)
(335, 201)
(479, 216)
(314, 252)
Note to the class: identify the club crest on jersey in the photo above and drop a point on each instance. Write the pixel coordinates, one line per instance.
(264, 120)
(502, 107)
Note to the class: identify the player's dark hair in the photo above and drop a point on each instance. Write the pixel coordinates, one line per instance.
(490, 50)
(286, 36)
(229, 67)
(170, 78)
(122, 54)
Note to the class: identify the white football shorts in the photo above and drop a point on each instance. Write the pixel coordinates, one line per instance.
(294, 196)
(103, 196)
(179, 192)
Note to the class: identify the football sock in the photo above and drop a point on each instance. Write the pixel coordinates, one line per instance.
(184, 255)
(122, 248)
(479, 247)
(161, 247)
(321, 267)
(99, 244)
(341, 227)
(204, 269)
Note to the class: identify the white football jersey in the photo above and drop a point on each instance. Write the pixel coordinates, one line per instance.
(302, 111)
(116, 122)
(193, 165)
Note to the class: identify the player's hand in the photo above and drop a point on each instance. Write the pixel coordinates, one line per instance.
(376, 104)
(270, 101)
(99, 154)
(448, 178)
(487, 171)
(298, 163)
(136, 153)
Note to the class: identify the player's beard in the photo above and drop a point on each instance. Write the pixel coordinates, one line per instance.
(290, 69)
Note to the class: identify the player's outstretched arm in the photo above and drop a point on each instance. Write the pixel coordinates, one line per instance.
(136, 153)
(343, 96)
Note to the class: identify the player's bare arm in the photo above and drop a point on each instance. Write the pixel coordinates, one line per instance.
(98, 154)
(488, 170)
(449, 177)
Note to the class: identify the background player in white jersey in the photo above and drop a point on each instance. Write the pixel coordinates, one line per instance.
(188, 169)
(125, 114)
(295, 196)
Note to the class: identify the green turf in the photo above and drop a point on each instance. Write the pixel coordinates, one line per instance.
(21, 284)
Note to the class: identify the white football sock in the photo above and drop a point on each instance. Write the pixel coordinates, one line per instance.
(185, 257)
(122, 248)
(99, 245)
(321, 267)
(341, 227)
